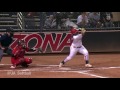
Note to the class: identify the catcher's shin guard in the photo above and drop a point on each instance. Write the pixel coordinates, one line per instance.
(27, 61)
(24, 64)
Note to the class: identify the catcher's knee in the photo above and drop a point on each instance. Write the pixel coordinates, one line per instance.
(29, 60)
(21, 60)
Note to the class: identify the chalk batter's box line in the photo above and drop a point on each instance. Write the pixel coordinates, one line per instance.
(66, 67)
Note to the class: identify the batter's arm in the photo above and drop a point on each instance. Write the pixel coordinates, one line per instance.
(82, 31)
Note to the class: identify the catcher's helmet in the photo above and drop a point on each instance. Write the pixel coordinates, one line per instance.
(22, 41)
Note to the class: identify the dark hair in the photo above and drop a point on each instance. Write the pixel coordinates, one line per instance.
(10, 30)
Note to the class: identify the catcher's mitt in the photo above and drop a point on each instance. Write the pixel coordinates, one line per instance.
(39, 50)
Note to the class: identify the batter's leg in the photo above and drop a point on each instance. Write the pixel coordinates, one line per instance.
(84, 51)
(73, 52)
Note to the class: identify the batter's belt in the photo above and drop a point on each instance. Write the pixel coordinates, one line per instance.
(77, 47)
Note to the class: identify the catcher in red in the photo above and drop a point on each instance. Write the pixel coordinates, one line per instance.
(18, 53)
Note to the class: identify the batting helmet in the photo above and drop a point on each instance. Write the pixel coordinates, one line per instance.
(73, 31)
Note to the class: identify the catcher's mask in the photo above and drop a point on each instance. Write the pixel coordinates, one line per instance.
(22, 43)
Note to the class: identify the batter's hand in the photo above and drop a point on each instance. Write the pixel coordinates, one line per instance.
(82, 30)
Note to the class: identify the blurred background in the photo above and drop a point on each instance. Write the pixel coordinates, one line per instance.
(47, 21)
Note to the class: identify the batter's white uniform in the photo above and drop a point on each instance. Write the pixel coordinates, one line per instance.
(77, 46)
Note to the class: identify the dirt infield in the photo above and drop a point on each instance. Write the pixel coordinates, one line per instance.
(46, 66)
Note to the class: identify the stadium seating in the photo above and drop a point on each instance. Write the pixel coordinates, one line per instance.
(8, 19)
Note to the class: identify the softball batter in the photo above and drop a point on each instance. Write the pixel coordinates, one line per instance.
(77, 46)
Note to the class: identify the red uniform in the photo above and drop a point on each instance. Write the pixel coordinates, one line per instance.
(18, 56)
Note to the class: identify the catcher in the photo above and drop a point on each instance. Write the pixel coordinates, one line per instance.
(18, 53)
(76, 46)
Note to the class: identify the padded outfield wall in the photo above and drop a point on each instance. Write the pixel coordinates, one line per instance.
(59, 42)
